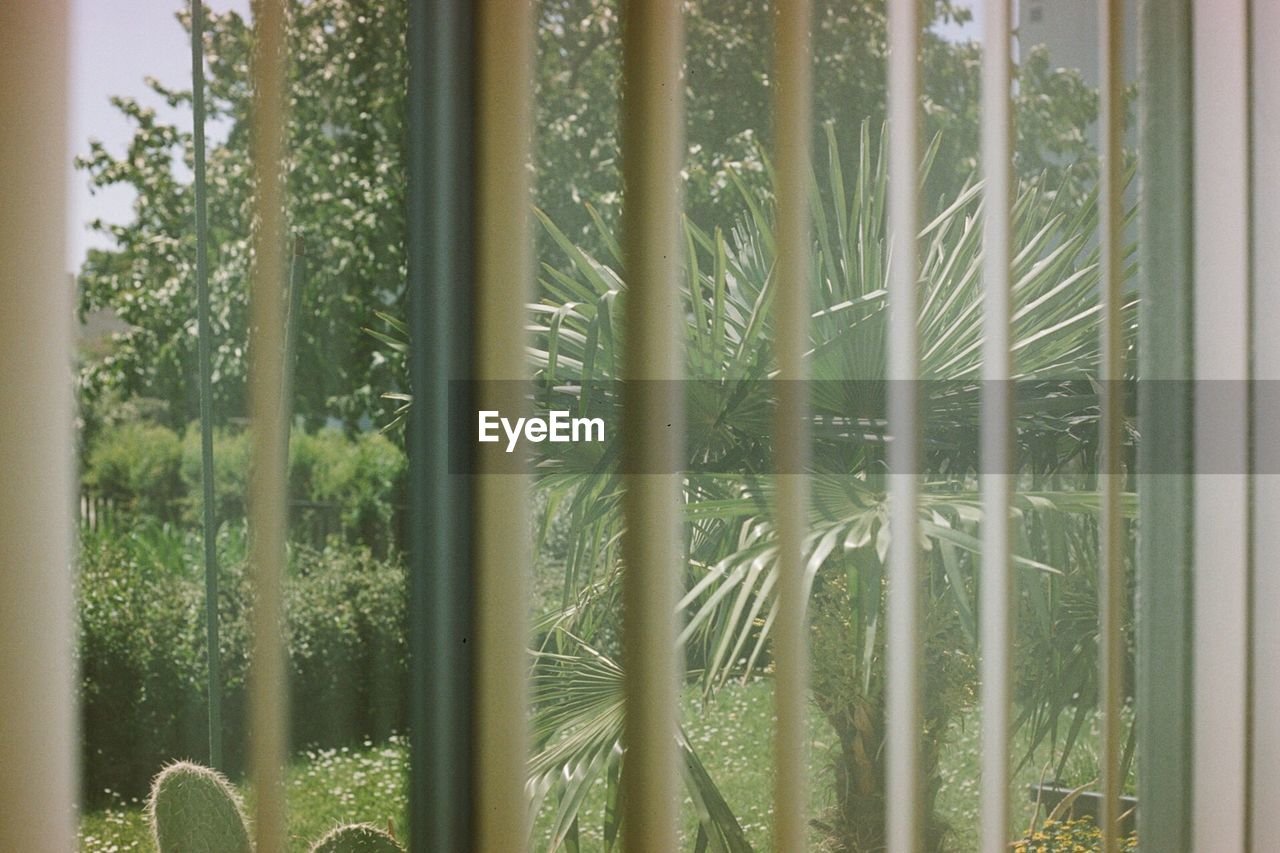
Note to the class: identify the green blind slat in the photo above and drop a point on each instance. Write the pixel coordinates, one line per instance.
(1165, 352)
(439, 245)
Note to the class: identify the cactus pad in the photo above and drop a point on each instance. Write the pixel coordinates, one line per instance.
(357, 838)
(193, 809)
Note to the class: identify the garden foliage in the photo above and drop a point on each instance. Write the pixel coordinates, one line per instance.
(729, 604)
(1069, 836)
(346, 180)
(151, 470)
(141, 601)
(193, 809)
(141, 465)
(143, 664)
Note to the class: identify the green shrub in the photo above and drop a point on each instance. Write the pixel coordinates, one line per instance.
(364, 477)
(143, 664)
(347, 645)
(344, 487)
(138, 464)
(230, 473)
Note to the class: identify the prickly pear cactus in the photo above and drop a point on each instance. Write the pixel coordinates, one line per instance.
(193, 809)
(357, 838)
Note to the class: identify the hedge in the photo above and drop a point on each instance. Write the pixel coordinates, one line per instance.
(142, 653)
(149, 469)
(138, 464)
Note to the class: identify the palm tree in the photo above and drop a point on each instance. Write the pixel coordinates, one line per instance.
(728, 606)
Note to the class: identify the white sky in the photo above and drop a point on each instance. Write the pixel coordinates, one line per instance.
(115, 45)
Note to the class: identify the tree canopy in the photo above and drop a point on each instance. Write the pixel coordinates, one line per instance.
(347, 180)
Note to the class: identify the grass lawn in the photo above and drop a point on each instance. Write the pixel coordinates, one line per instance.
(731, 735)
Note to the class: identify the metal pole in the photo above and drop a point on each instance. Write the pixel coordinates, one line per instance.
(205, 345)
(297, 284)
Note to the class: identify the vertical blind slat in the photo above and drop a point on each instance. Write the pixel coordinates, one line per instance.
(903, 645)
(504, 53)
(996, 582)
(1221, 684)
(1265, 36)
(1111, 237)
(793, 123)
(267, 492)
(1163, 589)
(38, 743)
(652, 422)
(438, 243)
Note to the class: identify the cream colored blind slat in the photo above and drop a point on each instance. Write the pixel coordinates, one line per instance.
(903, 645)
(1221, 304)
(652, 427)
(38, 742)
(268, 676)
(1112, 581)
(793, 127)
(1265, 737)
(996, 581)
(503, 276)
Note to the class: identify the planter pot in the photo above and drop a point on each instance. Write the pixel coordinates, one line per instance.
(1086, 804)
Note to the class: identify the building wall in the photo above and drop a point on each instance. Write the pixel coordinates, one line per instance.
(1069, 28)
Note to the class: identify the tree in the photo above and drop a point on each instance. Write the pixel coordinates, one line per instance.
(346, 175)
(728, 101)
(728, 602)
(346, 182)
